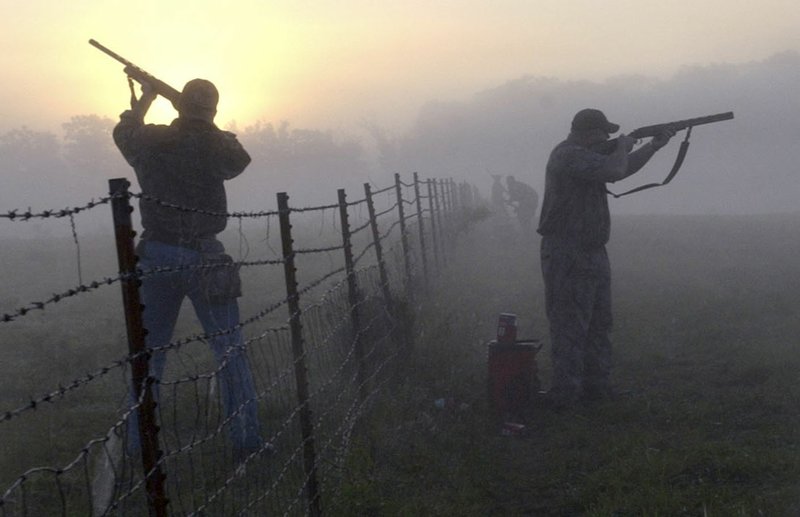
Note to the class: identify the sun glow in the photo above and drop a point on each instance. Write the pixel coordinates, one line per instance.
(320, 63)
(247, 83)
(253, 53)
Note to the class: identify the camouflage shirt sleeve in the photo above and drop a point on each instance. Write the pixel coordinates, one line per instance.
(124, 135)
(582, 163)
(230, 155)
(132, 136)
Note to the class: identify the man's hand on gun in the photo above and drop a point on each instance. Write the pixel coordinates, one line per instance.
(626, 142)
(142, 104)
(658, 141)
(662, 138)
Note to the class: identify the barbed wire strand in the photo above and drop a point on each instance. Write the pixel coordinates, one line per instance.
(55, 298)
(324, 325)
(77, 246)
(16, 215)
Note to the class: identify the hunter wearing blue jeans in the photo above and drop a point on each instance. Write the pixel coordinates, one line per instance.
(181, 169)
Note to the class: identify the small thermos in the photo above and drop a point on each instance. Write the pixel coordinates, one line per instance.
(507, 329)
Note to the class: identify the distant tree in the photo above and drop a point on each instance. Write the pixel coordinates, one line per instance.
(387, 148)
(24, 150)
(511, 129)
(89, 148)
(308, 163)
(30, 163)
(267, 144)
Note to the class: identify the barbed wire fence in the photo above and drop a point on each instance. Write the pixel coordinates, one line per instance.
(351, 296)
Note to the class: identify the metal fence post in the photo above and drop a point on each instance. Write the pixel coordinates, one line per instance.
(403, 235)
(439, 225)
(449, 190)
(447, 214)
(447, 201)
(434, 227)
(353, 296)
(453, 202)
(376, 239)
(298, 353)
(423, 252)
(140, 356)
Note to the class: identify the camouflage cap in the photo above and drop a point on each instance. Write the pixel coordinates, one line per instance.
(198, 95)
(587, 119)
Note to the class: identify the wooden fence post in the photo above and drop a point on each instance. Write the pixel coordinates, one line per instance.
(140, 356)
(298, 353)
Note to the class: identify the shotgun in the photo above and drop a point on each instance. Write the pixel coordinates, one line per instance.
(140, 76)
(608, 146)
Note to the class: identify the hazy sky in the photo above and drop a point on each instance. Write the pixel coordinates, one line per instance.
(339, 63)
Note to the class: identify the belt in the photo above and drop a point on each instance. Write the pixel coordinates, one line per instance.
(193, 242)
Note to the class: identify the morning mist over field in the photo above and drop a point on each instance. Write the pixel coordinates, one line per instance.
(747, 165)
(328, 95)
(371, 377)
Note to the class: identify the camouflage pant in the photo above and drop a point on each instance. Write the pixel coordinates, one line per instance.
(578, 303)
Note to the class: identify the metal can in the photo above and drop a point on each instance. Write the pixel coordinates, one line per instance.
(507, 328)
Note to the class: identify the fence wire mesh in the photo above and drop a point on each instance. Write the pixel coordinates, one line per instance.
(67, 448)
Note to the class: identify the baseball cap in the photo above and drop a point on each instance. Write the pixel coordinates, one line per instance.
(589, 118)
(198, 95)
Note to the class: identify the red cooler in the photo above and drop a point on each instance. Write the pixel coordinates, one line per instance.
(513, 377)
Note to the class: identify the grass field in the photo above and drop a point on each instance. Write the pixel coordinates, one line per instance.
(707, 421)
(52, 447)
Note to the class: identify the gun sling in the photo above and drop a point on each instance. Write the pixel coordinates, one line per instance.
(675, 168)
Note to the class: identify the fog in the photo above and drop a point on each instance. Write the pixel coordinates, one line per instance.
(747, 165)
(682, 297)
(742, 166)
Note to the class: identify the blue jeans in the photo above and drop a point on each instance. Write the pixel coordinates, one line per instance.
(162, 295)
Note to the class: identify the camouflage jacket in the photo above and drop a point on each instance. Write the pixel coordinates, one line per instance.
(185, 164)
(575, 205)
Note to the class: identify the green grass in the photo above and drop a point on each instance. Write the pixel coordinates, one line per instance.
(706, 363)
(706, 360)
